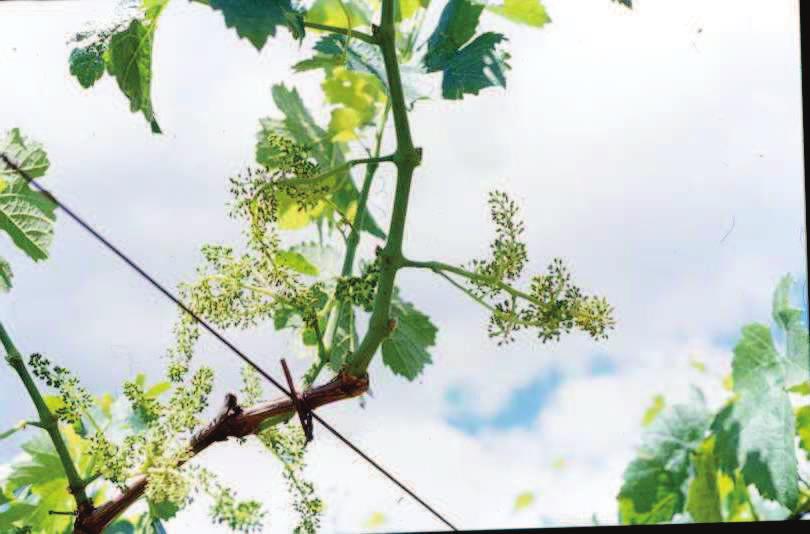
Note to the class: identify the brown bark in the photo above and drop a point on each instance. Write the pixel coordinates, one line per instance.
(231, 422)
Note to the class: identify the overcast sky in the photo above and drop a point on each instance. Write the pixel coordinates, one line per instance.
(658, 151)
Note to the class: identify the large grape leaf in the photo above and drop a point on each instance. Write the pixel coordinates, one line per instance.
(653, 489)
(467, 69)
(528, 12)
(38, 484)
(257, 20)
(299, 126)
(755, 432)
(25, 214)
(405, 350)
(331, 51)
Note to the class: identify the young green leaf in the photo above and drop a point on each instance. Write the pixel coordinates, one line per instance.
(524, 500)
(803, 429)
(257, 20)
(652, 412)
(299, 126)
(296, 261)
(331, 13)
(653, 483)
(528, 12)
(41, 476)
(405, 350)
(755, 432)
(703, 496)
(332, 51)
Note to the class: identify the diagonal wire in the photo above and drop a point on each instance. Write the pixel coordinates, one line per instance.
(211, 330)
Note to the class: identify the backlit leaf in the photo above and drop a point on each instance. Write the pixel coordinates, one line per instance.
(652, 412)
(296, 261)
(529, 12)
(703, 496)
(25, 214)
(755, 432)
(524, 500)
(653, 483)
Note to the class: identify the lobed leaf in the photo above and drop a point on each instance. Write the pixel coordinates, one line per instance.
(653, 483)
(332, 51)
(25, 214)
(87, 64)
(405, 350)
(299, 126)
(258, 20)
(467, 69)
(755, 432)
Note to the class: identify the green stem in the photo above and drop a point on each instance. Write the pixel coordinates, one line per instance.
(342, 31)
(437, 267)
(406, 158)
(352, 243)
(46, 420)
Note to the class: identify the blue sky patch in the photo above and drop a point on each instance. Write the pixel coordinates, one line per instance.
(519, 411)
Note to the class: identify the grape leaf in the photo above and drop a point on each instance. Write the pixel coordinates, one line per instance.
(797, 356)
(129, 60)
(405, 350)
(299, 126)
(360, 97)
(26, 215)
(39, 480)
(803, 429)
(457, 25)
(755, 432)
(87, 64)
(257, 20)
(331, 13)
(652, 412)
(653, 483)
(296, 261)
(703, 496)
(524, 500)
(5, 276)
(367, 58)
(528, 12)
(478, 65)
